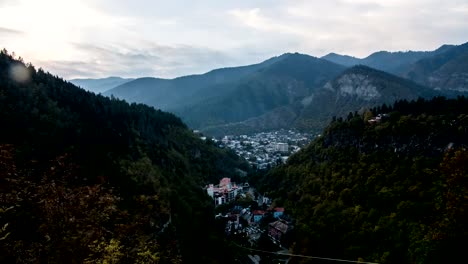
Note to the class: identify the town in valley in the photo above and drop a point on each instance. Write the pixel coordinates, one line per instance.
(265, 149)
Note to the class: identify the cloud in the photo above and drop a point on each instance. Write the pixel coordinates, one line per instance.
(96, 38)
(254, 18)
(360, 27)
(9, 31)
(151, 60)
(6, 2)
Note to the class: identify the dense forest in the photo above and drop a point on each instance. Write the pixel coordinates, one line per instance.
(90, 179)
(387, 186)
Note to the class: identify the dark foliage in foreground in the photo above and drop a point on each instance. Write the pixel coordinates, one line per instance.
(392, 190)
(85, 178)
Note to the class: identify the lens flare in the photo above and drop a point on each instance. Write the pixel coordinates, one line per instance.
(20, 73)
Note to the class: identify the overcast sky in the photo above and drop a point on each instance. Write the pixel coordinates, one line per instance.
(100, 38)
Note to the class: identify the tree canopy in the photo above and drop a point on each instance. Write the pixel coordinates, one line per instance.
(390, 189)
(86, 178)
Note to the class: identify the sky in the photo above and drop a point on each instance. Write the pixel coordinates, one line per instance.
(137, 38)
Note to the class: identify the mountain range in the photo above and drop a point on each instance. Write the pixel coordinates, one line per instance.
(100, 85)
(300, 91)
(392, 62)
(92, 179)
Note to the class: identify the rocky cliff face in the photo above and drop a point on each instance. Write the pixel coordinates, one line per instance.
(357, 85)
(457, 81)
(357, 88)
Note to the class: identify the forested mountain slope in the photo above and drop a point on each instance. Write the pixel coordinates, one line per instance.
(283, 83)
(86, 178)
(169, 94)
(236, 94)
(277, 93)
(388, 186)
(354, 89)
(392, 62)
(446, 70)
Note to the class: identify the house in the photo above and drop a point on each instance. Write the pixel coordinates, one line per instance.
(377, 119)
(278, 212)
(278, 229)
(281, 147)
(225, 192)
(258, 215)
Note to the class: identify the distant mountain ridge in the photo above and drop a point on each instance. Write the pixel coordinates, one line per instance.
(289, 91)
(355, 89)
(393, 62)
(100, 85)
(344, 60)
(283, 83)
(446, 70)
(167, 93)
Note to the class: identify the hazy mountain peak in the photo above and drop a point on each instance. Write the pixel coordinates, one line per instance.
(100, 85)
(345, 60)
(444, 48)
(396, 62)
(447, 69)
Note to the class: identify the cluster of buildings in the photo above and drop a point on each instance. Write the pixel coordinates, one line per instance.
(278, 225)
(246, 224)
(377, 119)
(226, 191)
(266, 149)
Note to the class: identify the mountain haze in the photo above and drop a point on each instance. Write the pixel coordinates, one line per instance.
(355, 89)
(281, 84)
(447, 70)
(100, 85)
(230, 95)
(344, 60)
(300, 91)
(170, 93)
(392, 62)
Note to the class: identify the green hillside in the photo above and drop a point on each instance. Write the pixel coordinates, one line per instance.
(444, 71)
(90, 179)
(388, 190)
(284, 83)
(169, 94)
(353, 90)
(230, 95)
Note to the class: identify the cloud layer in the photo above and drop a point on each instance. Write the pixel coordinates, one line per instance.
(98, 38)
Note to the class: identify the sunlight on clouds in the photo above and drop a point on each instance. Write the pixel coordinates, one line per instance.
(51, 25)
(253, 18)
(360, 27)
(148, 36)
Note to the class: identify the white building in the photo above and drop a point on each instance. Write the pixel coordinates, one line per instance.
(225, 192)
(281, 147)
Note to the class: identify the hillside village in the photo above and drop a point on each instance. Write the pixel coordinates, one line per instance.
(266, 149)
(250, 218)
